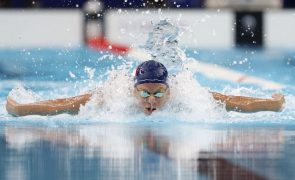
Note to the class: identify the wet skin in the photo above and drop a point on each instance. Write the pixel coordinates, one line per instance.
(151, 103)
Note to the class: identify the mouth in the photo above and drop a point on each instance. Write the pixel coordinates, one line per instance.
(150, 110)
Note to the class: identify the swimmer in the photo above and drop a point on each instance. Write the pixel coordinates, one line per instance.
(151, 91)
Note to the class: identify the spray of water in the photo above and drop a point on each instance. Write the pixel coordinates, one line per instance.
(188, 100)
(113, 99)
(23, 95)
(162, 44)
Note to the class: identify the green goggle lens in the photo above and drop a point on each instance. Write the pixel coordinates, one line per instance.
(159, 94)
(146, 94)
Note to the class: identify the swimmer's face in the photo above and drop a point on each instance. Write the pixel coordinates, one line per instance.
(151, 96)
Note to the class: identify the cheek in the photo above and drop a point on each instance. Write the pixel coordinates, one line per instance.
(159, 101)
(162, 100)
(141, 101)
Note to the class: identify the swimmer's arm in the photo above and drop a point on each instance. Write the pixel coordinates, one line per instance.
(51, 107)
(250, 104)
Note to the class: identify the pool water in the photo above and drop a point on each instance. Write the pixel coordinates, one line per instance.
(231, 146)
(150, 151)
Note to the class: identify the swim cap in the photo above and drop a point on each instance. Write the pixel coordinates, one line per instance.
(151, 72)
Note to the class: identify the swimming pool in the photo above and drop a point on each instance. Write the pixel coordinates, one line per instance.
(257, 146)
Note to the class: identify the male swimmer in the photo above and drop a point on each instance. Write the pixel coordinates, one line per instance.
(151, 91)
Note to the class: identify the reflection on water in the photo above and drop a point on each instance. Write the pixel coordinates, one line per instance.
(116, 151)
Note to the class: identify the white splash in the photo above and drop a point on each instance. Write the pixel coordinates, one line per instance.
(22, 95)
(189, 101)
(72, 75)
(162, 44)
(113, 100)
(90, 72)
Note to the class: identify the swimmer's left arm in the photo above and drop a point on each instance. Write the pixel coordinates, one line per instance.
(250, 104)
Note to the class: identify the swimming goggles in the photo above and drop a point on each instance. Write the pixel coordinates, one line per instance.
(146, 94)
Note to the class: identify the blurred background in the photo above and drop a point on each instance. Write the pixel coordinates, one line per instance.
(208, 23)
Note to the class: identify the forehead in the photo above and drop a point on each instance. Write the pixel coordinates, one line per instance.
(151, 86)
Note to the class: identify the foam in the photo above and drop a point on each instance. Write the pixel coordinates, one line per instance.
(23, 96)
(189, 101)
(113, 100)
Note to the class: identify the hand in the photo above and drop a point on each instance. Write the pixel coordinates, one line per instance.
(280, 98)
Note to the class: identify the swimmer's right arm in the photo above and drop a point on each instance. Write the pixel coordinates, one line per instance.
(51, 107)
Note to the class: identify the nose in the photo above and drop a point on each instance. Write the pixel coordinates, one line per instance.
(151, 100)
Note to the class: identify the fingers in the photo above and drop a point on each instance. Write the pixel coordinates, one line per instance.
(278, 96)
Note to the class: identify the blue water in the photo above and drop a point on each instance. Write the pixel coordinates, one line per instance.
(237, 146)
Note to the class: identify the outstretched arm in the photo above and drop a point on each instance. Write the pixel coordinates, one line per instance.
(250, 104)
(51, 107)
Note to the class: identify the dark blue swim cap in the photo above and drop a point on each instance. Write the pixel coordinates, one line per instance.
(151, 72)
